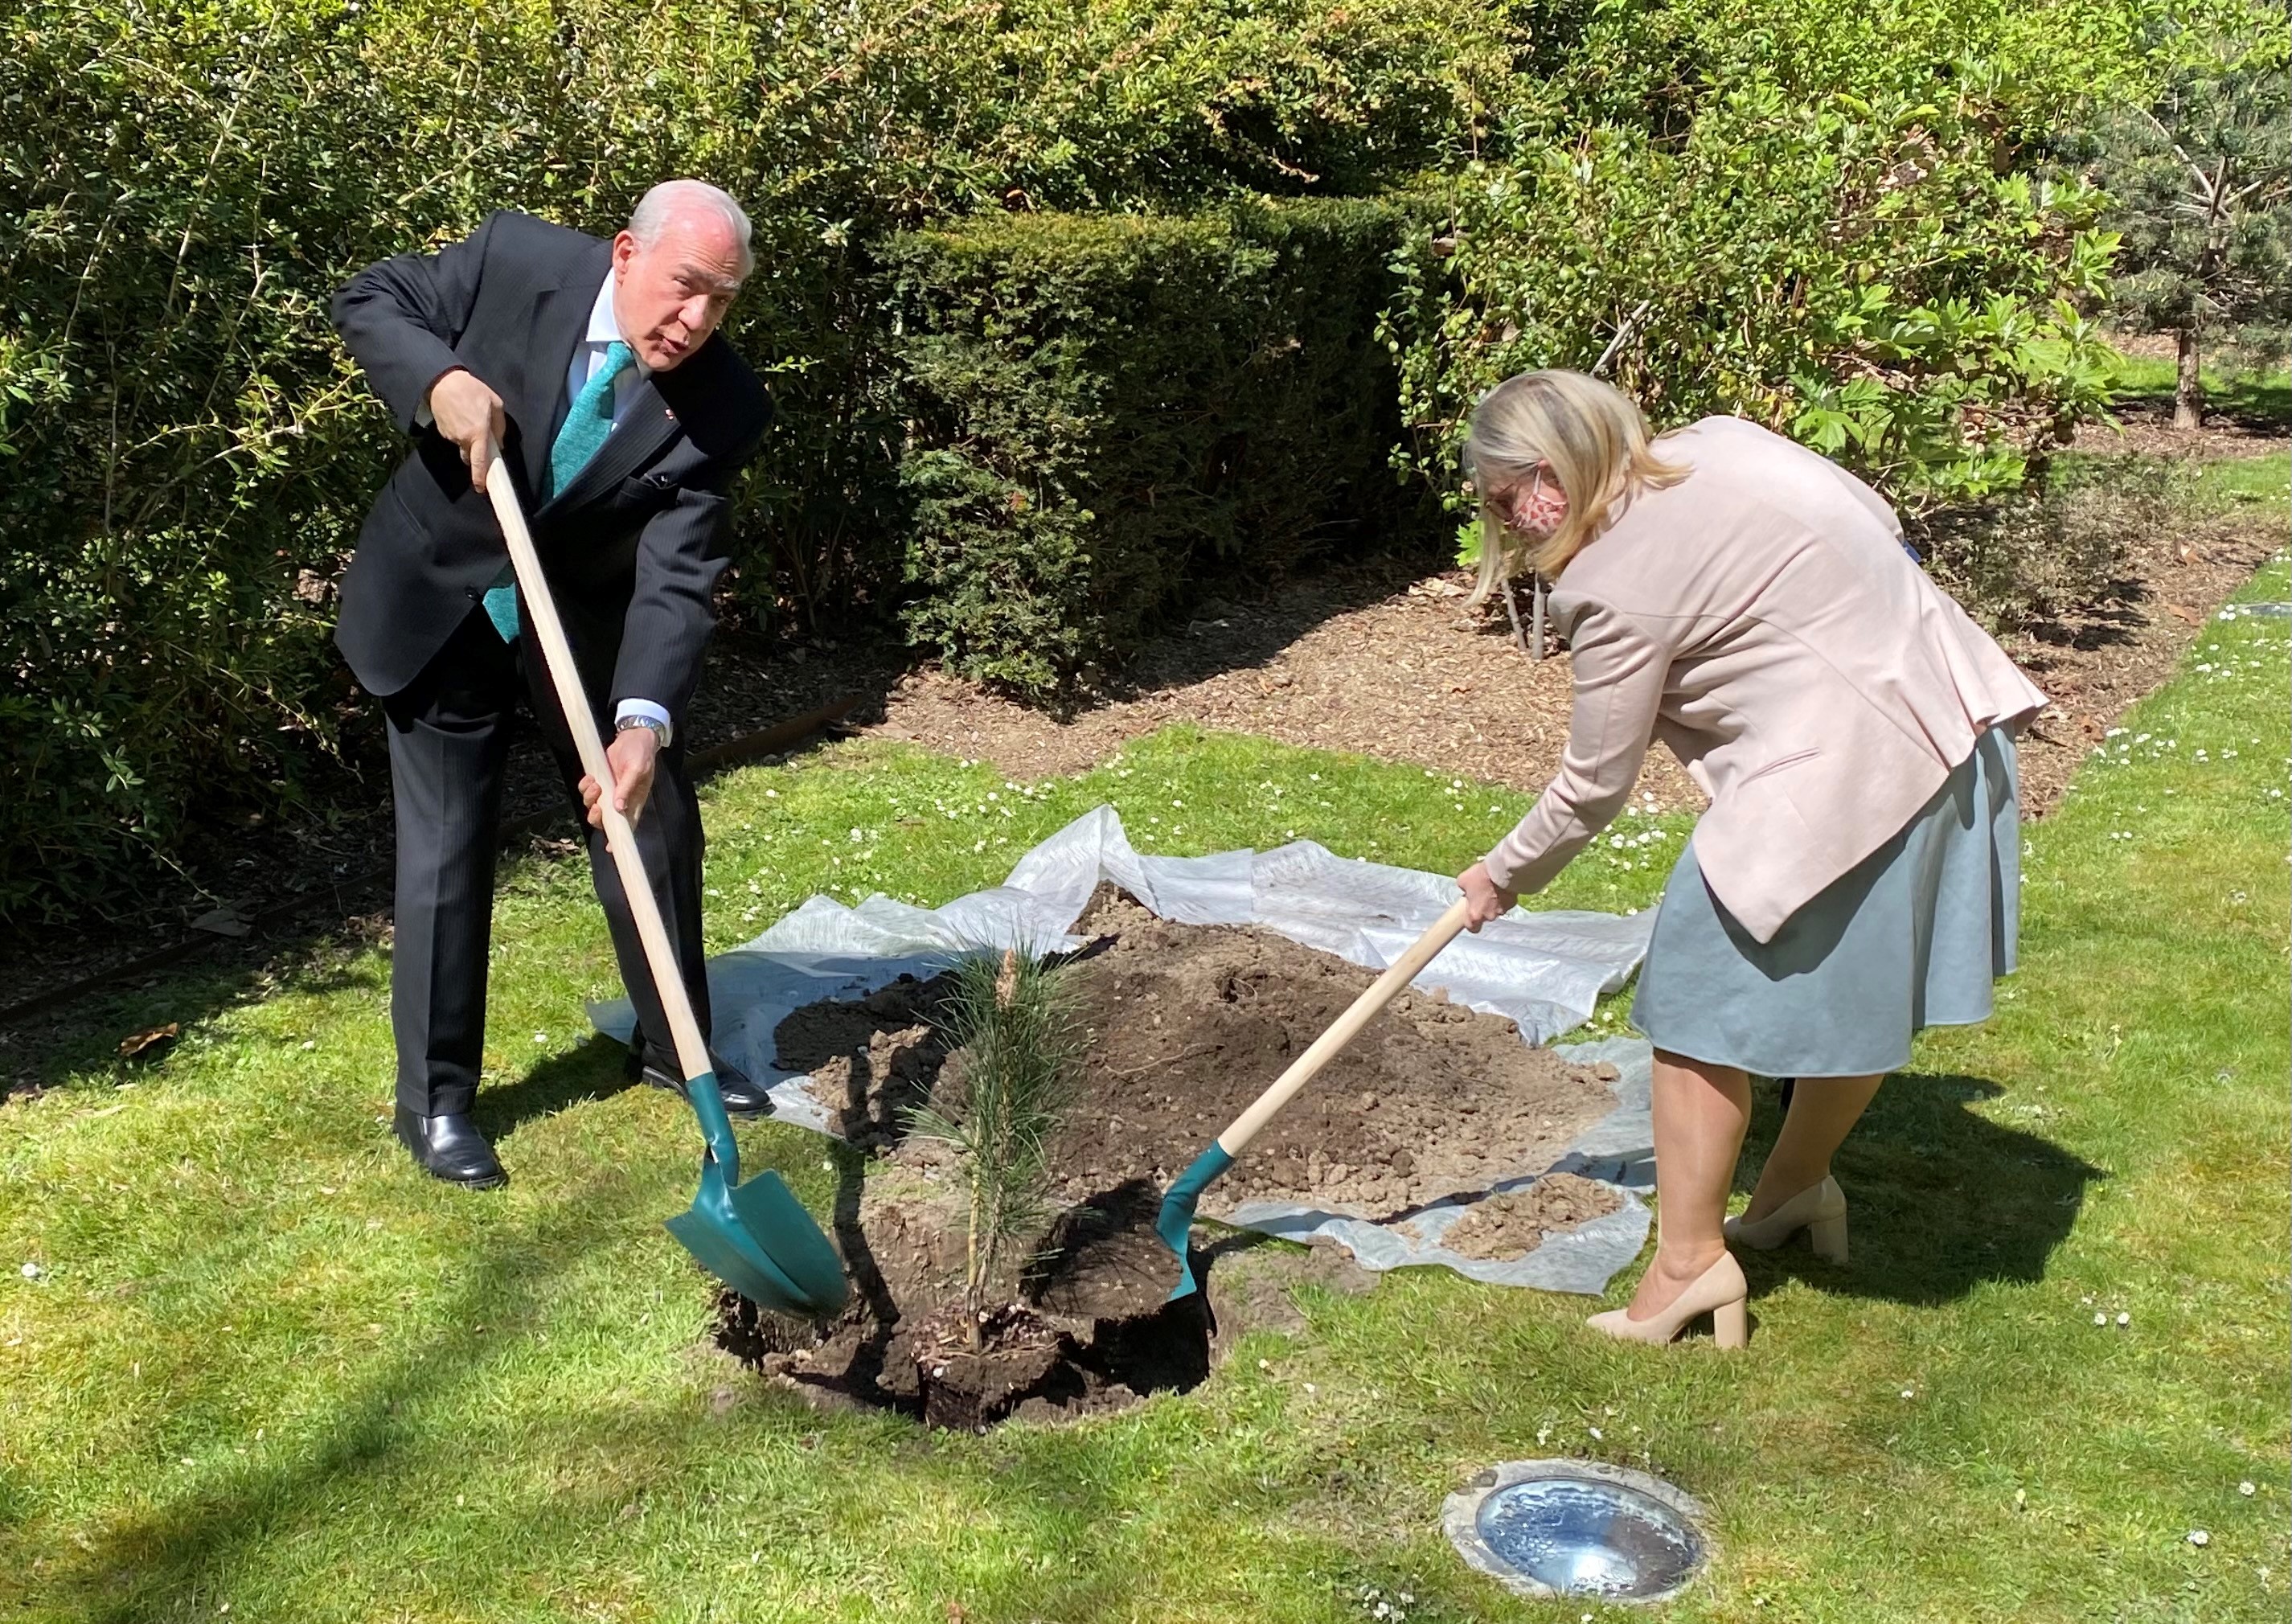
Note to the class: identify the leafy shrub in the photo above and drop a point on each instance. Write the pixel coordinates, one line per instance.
(188, 452)
(1813, 213)
(2025, 556)
(1105, 411)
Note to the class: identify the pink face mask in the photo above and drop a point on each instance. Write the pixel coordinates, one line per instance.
(1541, 509)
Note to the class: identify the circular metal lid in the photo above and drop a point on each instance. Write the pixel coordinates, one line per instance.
(1578, 1528)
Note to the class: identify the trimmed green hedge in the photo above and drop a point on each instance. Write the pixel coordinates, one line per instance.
(1105, 413)
(185, 452)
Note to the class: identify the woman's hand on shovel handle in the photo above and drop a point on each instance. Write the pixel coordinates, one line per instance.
(469, 414)
(1489, 900)
(631, 757)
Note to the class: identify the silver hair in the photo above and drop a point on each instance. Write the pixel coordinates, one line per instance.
(670, 198)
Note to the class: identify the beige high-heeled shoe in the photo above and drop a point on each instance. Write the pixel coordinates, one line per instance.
(1820, 1212)
(1718, 1291)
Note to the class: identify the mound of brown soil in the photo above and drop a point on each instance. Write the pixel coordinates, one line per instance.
(1514, 1224)
(1185, 1026)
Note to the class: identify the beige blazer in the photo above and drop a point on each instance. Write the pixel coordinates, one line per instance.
(1762, 618)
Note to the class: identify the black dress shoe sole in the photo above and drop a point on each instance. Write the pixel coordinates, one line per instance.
(675, 1084)
(479, 1181)
(483, 1181)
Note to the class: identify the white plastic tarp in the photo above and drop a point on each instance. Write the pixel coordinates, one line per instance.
(1544, 970)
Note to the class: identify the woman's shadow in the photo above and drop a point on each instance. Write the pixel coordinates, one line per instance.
(1939, 1198)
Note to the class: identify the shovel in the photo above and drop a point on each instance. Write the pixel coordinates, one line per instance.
(1175, 1222)
(755, 1237)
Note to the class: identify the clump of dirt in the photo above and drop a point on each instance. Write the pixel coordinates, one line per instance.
(1184, 1026)
(1514, 1224)
(1083, 1325)
(872, 1060)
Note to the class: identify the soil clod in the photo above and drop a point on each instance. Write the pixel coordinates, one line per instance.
(1514, 1224)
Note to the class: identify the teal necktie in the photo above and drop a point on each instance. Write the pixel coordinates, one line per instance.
(587, 422)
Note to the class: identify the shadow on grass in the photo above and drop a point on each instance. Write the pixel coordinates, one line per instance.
(2256, 402)
(314, 944)
(1940, 1200)
(163, 1559)
(188, 1553)
(597, 1070)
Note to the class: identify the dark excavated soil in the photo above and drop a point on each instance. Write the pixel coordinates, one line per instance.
(1185, 1026)
(1083, 1324)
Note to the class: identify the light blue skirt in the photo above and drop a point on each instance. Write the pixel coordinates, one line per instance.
(1911, 937)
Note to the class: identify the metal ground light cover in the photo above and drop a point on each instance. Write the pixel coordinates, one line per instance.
(1578, 1528)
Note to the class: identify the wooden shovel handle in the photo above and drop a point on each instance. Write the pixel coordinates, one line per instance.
(1344, 1028)
(620, 836)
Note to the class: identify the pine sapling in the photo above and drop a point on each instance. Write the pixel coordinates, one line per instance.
(1015, 1024)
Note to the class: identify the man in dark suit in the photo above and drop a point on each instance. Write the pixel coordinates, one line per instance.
(622, 417)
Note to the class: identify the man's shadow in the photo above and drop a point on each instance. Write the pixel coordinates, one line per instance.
(1939, 1198)
(596, 1070)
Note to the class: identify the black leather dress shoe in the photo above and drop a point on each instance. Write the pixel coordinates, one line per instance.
(451, 1148)
(742, 1096)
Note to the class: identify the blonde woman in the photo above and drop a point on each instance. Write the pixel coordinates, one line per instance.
(1751, 605)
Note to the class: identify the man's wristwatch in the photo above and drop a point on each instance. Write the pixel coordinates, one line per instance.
(659, 729)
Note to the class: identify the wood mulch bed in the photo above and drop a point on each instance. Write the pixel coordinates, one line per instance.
(1385, 660)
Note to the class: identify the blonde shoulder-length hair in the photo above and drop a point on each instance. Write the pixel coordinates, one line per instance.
(1591, 439)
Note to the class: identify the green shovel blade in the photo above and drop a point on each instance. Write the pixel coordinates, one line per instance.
(756, 1237)
(1175, 1222)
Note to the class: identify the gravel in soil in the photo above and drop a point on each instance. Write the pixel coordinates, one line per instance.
(1514, 1224)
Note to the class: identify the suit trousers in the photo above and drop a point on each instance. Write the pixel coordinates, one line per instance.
(449, 732)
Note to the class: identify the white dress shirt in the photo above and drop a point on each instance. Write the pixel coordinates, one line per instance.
(589, 354)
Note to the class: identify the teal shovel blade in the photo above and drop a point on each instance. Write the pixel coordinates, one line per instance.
(756, 1237)
(1175, 1222)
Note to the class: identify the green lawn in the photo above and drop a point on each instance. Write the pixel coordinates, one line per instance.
(2252, 485)
(2256, 396)
(267, 1367)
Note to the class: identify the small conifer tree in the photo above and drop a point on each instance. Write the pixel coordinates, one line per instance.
(1013, 1021)
(2202, 182)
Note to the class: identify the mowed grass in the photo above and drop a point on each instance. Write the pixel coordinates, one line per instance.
(2260, 487)
(264, 1366)
(2254, 395)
